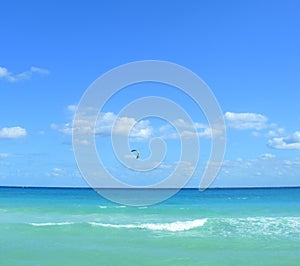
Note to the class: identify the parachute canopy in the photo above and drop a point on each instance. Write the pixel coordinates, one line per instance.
(137, 153)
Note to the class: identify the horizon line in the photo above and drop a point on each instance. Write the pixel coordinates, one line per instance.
(144, 188)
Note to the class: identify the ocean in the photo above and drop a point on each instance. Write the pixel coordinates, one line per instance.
(47, 226)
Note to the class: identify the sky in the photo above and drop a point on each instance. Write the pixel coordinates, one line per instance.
(247, 52)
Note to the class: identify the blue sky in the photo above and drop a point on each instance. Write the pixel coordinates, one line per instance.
(246, 51)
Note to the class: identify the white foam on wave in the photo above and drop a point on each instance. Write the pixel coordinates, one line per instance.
(51, 224)
(264, 226)
(172, 227)
(267, 221)
(120, 207)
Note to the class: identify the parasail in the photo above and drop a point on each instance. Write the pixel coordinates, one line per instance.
(137, 153)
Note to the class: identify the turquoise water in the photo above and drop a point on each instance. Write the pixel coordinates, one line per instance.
(214, 227)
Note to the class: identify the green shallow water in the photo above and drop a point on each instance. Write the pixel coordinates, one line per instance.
(215, 227)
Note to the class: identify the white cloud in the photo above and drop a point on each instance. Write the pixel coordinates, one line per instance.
(72, 108)
(267, 156)
(189, 130)
(275, 132)
(4, 155)
(122, 124)
(206, 133)
(243, 121)
(292, 163)
(291, 142)
(12, 132)
(273, 170)
(5, 74)
(83, 142)
(39, 70)
(142, 130)
(56, 172)
(108, 123)
(183, 124)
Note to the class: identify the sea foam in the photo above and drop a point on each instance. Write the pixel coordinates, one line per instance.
(172, 227)
(51, 224)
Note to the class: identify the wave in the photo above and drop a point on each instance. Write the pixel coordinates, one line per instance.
(266, 222)
(214, 226)
(51, 224)
(256, 226)
(115, 207)
(172, 227)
